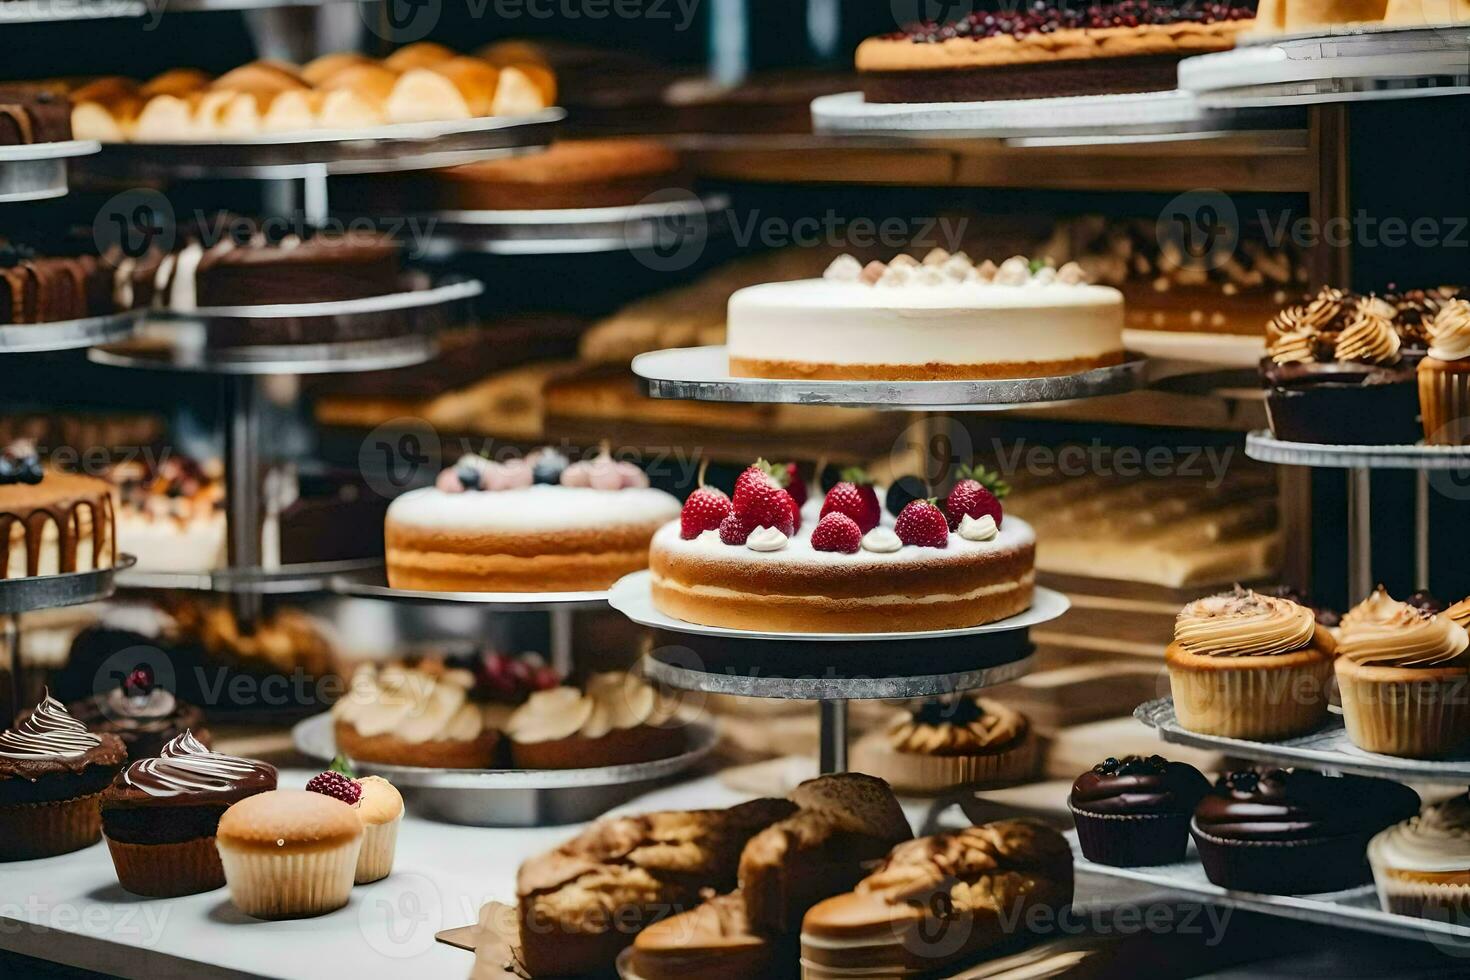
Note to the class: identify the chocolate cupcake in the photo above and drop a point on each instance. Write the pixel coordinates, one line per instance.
(1135, 811)
(1338, 371)
(1294, 831)
(160, 815)
(52, 774)
(144, 716)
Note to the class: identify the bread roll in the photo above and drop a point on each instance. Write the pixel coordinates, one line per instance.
(423, 95)
(418, 55)
(476, 81)
(261, 77)
(347, 108)
(165, 119)
(320, 69)
(516, 95)
(175, 81)
(105, 109)
(293, 112)
(371, 82)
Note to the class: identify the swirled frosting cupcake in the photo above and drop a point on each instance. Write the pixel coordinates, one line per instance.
(1422, 866)
(942, 745)
(160, 815)
(1246, 665)
(616, 719)
(1135, 811)
(415, 716)
(1294, 831)
(1444, 376)
(1404, 677)
(52, 774)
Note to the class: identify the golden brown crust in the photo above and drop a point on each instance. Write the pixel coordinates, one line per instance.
(750, 367)
(477, 753)
(566, 561)
(619, 747)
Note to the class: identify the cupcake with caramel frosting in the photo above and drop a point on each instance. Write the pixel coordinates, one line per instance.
(1444, 376)
(944, 745)
(415, 716)
(616, 719)
(1404, 677)
(1246, 665)
(1422, 865)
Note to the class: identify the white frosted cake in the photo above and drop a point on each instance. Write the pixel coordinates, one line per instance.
(942, 318)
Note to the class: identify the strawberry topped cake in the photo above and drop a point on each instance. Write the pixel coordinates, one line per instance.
(756, 562)
(538, 523)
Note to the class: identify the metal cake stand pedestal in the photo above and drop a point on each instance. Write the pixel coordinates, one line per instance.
(703, 374)
(30, 338)
(831, 668)
(19, 596)
(38, 171)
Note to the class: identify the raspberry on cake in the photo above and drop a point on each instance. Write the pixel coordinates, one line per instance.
(909, 575)
(943, 319)
(489, 526)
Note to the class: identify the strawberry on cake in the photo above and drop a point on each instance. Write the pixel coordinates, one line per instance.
(538, 523)
(752, 562)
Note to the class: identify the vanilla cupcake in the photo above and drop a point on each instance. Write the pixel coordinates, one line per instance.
(289, 854)
(1422, 866)
(1246, 665)
(1444, 376)
(1404, 678)
(943, 745)
(407, 716)
(617, 719)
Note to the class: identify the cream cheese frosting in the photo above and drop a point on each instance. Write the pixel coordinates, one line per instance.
(1243, 623)
(413, 705)
(611, 701)
(1437, 840)
(1381, 632)
(538, 508)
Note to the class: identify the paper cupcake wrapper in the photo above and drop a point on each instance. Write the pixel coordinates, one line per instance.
(379, 843)
(1296, 867)
(290, 885)
(1132, 840)
(916, 772)
(1417, 720)
(1256, 702)
(1444, 405)
(38, 830)
(167, 870)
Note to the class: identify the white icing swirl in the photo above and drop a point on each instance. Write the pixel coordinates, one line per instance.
(186, 766)
(882, 541)
(1437, 840)
(766, 539)
(49, 733)
(980, 528)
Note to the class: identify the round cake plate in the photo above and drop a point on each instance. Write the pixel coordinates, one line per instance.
(27, 338)
(1268, 449)
(1099, 119)
(406, 322)
(37, 171)
(383, 149)
(563, 231)
(373, 585)
(632, 596)
(513, 797)
(34, 593)
(1360, 63)
(703, 374)
(831, 688)
(284, 580)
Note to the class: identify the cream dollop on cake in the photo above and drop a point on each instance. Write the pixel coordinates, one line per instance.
(942, 318)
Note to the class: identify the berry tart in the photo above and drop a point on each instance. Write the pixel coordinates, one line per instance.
(380, 807)
(1047, 50)
(752, 562)
(145, 716)
(52, 522)
(538, 523)
(940, 318)
(940, 746)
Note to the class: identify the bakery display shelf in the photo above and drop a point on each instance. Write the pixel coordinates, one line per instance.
(514, 797)
(281, 580)
(38, 171)
(1089, 120)
(1351, 64)
(1353, 908)
(703, 374)
(29, 338)
(372, 584)
(36, 592)
(369, 334)
(571, 230)
(1268, 449)
(383, 149)
(1326, 748)
(49, 11)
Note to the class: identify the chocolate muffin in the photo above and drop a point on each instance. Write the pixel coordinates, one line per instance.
(52, 774)
(144, 716)
(160, 816)
(1135, 811)
(1294, 831)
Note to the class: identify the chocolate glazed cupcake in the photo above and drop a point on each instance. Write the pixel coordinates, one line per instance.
(1134, 812)
(145, 717)
(1294, 831)
(52, 773)
(160, 815)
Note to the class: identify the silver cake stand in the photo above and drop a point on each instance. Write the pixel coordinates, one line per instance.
(703, 374)
(37, 592)
(37, 171)
(831, 668)
(515, 797)
(27, 338)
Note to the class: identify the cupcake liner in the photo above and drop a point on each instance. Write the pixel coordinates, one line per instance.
(292, 884)
(1132, 840)
(917, 772)
(1444, 403)
(1407, 894)
(167, 870)
(379, 842)
(1255, 700)
(37, 830)
(1417, 719)
(1296, 867)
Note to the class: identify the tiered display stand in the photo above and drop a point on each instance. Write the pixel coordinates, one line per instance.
(38, 171)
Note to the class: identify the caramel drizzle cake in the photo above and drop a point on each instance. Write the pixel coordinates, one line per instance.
(534, 524)
(1047, 50)
(52, 522)
(944, 317)
(757, 563)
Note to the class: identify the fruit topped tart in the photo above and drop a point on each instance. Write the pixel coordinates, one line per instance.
(535, 523)
(857, 562)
